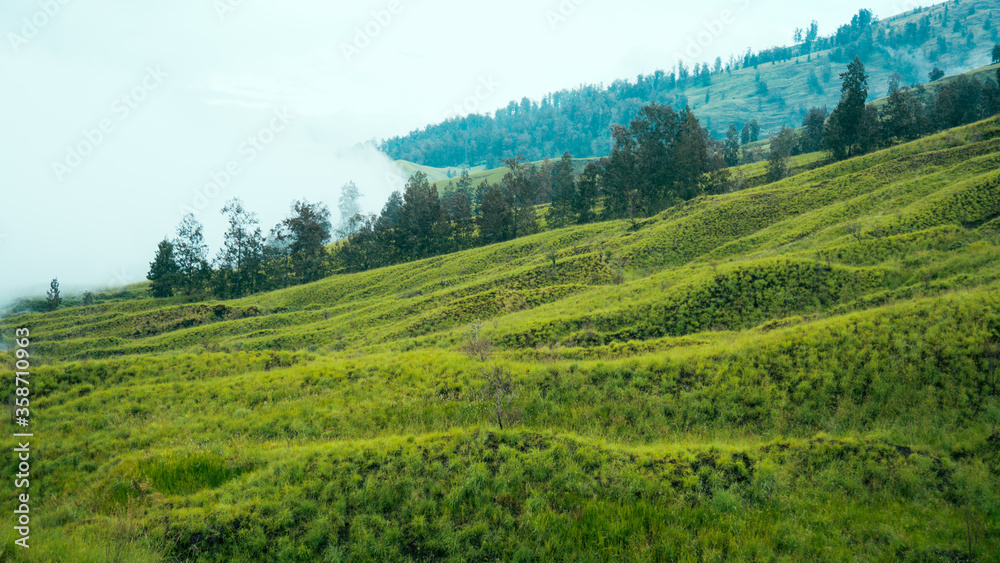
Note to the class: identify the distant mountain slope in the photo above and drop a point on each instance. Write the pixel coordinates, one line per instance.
(775, 87)
(754, 172)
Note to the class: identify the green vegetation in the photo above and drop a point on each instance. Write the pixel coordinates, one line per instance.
(807, 369)
(436, 174)
(773, 88)
(660, 159)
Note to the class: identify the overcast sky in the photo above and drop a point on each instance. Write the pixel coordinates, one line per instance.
(118, 115)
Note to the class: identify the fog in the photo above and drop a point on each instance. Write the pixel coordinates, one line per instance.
(120, 116)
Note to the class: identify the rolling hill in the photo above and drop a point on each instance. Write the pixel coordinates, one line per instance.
(800, 370)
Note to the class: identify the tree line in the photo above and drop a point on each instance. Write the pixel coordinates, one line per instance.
(857, 126)
(293, 252)
(662, 157)
(579, 120)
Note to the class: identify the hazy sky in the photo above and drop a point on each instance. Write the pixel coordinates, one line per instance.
(118, 115)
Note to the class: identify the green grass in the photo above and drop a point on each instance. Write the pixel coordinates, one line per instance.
(798, 370)
(435, 175)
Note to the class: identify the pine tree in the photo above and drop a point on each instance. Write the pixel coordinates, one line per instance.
(658, 159)
(563, 193)
(460, 215)
(52, 297)
(990, 98)
(731, 150)
(621, 185)
(465, 188)
(309, 230)
(689, 156)
(420, 218)
(363, 251)
(241, 257)
(812, 137)
(495, 215)
(191, 255)
(389, 218)
(542, 177)
(958, 102)
(163, 270)
(745, 134)
(656, 155)
(349, 205)
(900, 115)
(521, 192)
(754, 130)
(587, 191)
(782, 146)
(842, 134)
(869, 130)
(277, 268)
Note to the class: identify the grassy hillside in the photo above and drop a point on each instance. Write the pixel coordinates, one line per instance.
(754, 173)
(952, 36)
(801, 370)
(734, 98)
(434, 174)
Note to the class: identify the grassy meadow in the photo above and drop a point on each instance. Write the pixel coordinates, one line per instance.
(799, 370)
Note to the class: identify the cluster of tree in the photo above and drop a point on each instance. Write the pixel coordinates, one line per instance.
(294, 252)
(665, 156)
(857, 127)
(579, 120)
(662, 157)
(858, 35)
(738, 136)
(419, 222)
(658, 160)
(570, 120)
(863, 37)
(52, 297)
